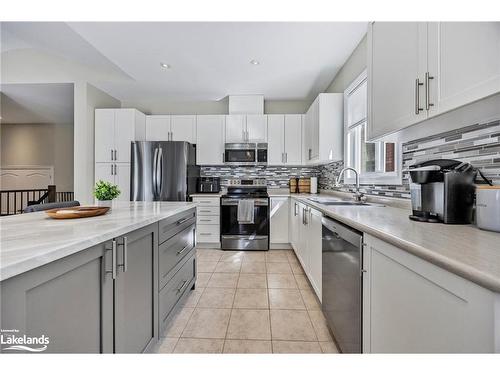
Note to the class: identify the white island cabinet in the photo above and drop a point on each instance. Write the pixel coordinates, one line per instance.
(413, 306)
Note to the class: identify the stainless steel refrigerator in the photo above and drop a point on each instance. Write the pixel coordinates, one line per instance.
(163, 171)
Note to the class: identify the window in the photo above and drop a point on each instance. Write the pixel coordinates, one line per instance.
(377, 162)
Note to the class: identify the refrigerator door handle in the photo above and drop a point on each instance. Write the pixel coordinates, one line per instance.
(159, 176)
(155, 171)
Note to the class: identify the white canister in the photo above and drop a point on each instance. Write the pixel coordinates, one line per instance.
(314, 185)
(488, 207)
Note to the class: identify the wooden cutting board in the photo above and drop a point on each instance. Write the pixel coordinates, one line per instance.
(304, 185)
(76, 212)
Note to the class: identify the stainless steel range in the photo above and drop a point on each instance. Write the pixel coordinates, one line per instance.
(245, 216)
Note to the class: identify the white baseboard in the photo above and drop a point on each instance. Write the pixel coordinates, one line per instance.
(278, 246)
(208, 245)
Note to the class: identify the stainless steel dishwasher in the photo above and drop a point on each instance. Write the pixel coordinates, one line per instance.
(342, 283)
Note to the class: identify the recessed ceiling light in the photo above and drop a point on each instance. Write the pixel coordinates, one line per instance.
(254, 62)
(165, 65)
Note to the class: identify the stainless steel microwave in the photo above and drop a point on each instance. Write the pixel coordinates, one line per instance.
(245, 154)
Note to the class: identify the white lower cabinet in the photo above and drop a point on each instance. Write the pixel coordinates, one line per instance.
(207, 221)
(279, 222)
(305, 237)
(413, 306)
(115, 173)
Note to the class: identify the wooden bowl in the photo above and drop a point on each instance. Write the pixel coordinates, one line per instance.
(76, 212)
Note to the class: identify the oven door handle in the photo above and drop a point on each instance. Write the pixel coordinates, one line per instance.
(234, 202)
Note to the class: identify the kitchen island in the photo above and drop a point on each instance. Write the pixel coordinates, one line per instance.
(103, 284)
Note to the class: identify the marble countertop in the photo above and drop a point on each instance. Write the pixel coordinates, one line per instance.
(31, 240)
(214, 195)
(464, 250)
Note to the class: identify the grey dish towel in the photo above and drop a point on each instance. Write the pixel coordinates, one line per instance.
(245, 211)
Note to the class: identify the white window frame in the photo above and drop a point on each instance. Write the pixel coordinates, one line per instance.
(367, 178)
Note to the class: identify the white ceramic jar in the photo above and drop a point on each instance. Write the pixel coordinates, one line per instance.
(488, 207)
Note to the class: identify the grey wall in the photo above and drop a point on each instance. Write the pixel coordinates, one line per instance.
(40, 145)
(87, 99)
(352, 68)
(166, 107)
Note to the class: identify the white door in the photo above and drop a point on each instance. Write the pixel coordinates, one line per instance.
(315, 128)
(104, 172)
(257, 128)
(157, 128)
(210, 139)
(464, 59)
(124, 134)
(314, 249)
(397, 57)
(303, 236)
(122, 179)
(235, 129)
(294, 224)
(275, 139)
(293, 139)
(183, 128)
(104, 135)
(279, 220)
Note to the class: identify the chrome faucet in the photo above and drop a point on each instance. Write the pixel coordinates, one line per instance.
(358, 196)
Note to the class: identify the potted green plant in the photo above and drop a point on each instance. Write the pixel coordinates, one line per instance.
(105, 192)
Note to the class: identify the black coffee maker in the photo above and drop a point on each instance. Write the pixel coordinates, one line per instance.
(442, 191)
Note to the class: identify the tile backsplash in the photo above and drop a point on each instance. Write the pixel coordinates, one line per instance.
(276, 176)
(478, 144)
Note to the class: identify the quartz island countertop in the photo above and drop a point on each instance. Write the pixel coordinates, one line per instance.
(32, 240)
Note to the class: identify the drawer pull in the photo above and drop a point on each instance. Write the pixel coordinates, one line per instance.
(205, 211)
(182, 286)
(183, 249)
(183, 220)
(205, 220)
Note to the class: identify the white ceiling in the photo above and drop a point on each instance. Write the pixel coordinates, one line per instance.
(36, 103)
(209, 60)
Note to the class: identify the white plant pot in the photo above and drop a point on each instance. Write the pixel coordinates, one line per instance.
(108, 203)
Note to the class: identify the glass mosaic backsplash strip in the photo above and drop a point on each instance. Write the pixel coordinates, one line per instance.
(477, 144)
(276, 176)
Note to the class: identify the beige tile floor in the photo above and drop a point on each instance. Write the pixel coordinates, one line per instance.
(248, 302)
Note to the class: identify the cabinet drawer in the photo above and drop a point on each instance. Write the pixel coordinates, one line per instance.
(173, 250)
(211, 220)
(207, 233)
(175, 288)
(208, 210)
(173, 225)
(207, 201)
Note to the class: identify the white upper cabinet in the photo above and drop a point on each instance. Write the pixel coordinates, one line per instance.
(246, 128)
(464, 61)
(256, 128)
(235, 128)
(417, 70)
(183, 128)
(157, 128)
(210, 139)
(104, 135)
(356, 104)
(171, 128)
(276, 139)
(284, 139)
(115, 129)
(293, 139)
(323, 130)
(397, 56)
